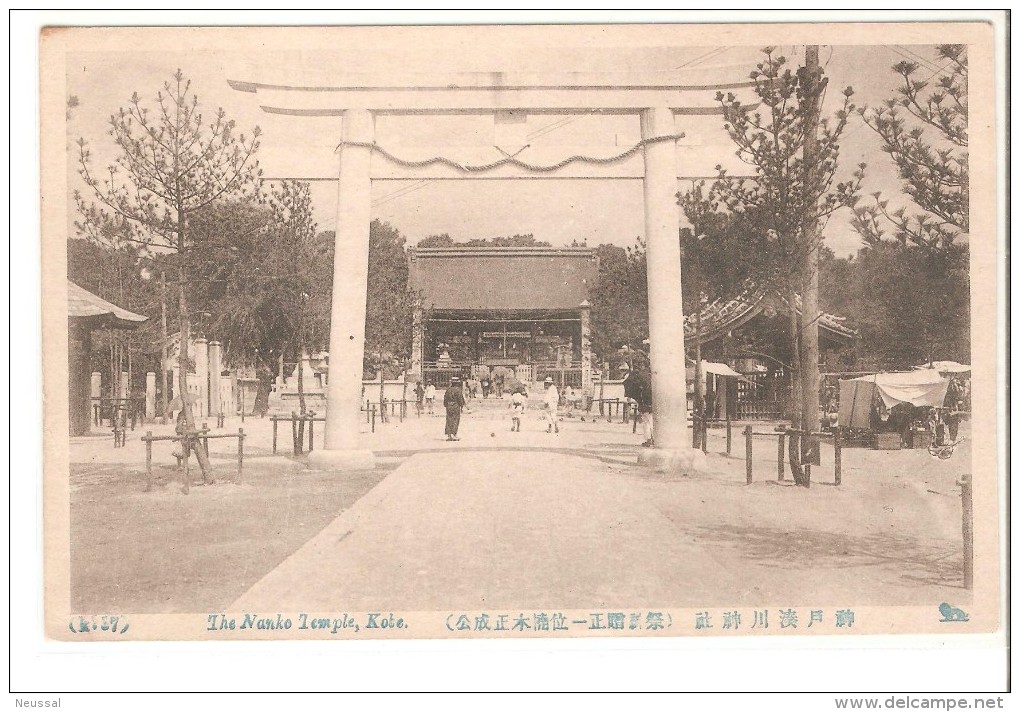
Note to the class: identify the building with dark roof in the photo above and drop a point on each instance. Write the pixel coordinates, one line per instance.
(86, 312)
(521, 308)
(750, 333)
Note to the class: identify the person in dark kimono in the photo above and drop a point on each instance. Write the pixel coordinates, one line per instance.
(419, 396)
(454, 403)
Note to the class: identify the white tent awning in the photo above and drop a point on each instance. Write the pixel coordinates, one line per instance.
(944, 367)
(925, 388)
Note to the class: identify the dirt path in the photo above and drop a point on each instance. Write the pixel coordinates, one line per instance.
(476, 530)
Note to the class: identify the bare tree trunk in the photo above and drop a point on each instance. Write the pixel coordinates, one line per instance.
(699, 401)
(796, 389)
(301, 381)
(164, 350)
(182, 359)
(808, 328)
(114, 376)
(301, 391)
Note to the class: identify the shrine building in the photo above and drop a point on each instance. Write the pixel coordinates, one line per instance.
(524, 309)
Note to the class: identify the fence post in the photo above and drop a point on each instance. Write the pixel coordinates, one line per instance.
(186, 449)
(148, 460)
(634, 416)
(748, 435)
(205, 441)
(704, 435)
(837, 458)
(240, 454)
(729, 435)
(311, 433)
(967, 495)
(371, 409)
(781, 456)
(293, 432)
(275, 424)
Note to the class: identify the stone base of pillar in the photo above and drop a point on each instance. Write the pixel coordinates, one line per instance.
(686, 461)
(341, 460)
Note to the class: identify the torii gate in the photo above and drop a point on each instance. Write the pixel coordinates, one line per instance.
(655, 98)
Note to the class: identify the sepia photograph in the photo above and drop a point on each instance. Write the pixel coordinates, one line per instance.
(522, 331)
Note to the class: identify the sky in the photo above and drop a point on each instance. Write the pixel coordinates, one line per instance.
(560, 212)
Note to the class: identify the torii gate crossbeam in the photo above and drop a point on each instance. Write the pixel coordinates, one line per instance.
(360, 99)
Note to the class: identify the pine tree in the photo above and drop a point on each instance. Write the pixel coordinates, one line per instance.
(171, 164)
(794, 152)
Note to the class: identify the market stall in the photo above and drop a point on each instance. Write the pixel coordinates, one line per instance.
(892, 407)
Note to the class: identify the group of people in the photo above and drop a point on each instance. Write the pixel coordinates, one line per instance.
(425, 397)
(494, 386)
(455, 404)
(637, 386)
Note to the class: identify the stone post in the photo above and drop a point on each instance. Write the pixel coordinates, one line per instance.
(665, 309)
(215, 366)
(307, 374)
(96, 385)
(350, 286)
(202, 376)
(175, 384)
(150, 395)
(586, 383)
(417, 338)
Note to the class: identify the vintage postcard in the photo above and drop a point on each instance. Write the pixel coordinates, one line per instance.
(508, 332)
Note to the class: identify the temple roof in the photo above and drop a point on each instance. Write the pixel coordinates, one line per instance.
(84, 305)
(721, 317)
(502, 278)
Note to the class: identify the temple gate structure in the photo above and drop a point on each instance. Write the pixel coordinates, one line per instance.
(657, 100)
(524, 309)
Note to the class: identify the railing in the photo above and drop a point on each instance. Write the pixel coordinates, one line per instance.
(190, 441)
(781, 442)
(561, 376)
(440, 377)
(759, 410)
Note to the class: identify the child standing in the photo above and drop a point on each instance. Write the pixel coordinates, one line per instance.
(430, 397)
(518, 403)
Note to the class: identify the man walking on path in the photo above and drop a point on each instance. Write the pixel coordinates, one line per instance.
(419, 396)
(454, 402)
(552, 404)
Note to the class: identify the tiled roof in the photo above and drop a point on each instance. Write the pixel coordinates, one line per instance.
(83, 304)
(721, 317)
(503, 279)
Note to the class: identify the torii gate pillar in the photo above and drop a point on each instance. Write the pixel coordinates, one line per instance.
(347, 312)
(665, 308)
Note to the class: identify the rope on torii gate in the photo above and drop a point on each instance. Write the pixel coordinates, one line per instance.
(508, 160)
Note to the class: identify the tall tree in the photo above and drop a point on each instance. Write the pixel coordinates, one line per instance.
(924, 131)
(269, 293)
(794, 152)
(170, 165)
(619, 299)
(389, 306)
(721, 250)
(909, 305)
